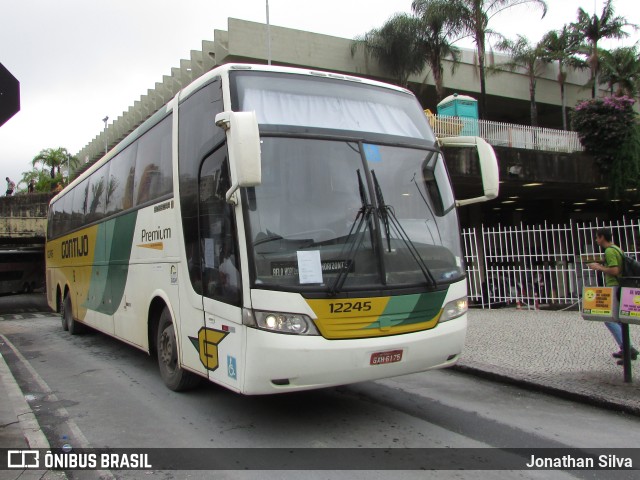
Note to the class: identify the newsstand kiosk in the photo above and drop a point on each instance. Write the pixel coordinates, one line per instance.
(615, 304)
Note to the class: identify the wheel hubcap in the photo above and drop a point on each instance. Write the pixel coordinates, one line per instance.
(167, 349)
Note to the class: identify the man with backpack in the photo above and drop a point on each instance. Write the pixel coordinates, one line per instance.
(612, 269)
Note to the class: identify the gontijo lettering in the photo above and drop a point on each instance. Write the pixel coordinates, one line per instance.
(75, 247)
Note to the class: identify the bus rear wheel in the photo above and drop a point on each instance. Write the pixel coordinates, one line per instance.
(63, 312)
(74, 327)
(174, 377)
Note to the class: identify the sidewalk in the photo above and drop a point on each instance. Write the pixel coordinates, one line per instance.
(554, 352)
(19, 428)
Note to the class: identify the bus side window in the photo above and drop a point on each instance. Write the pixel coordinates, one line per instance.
(220, 265)
(78, 205)
(197, 137)
(120, 184)
(96, 195)
(153, 177)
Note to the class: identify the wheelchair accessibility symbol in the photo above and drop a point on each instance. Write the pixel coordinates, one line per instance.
(231, 367)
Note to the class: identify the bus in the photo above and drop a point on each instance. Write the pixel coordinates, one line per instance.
(21, 269)
(271, 229)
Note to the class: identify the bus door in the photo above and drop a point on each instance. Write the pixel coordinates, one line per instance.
(221, 281)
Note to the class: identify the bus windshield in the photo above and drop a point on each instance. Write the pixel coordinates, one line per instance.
(377, 215)
(326, 103)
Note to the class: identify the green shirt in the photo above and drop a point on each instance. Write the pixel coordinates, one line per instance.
(612, 258)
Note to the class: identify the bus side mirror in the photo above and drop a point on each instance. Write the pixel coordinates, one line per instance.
(243, 140)
(488, 166)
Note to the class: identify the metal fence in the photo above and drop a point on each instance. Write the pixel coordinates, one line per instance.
(533, 265)
(507, 134)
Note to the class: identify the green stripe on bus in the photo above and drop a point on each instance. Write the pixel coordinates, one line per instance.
(411, 309)
(111, 264)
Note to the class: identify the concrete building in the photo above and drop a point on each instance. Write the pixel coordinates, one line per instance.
(571, 183)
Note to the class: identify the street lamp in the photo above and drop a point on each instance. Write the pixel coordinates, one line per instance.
(268, 36)
(105, 120)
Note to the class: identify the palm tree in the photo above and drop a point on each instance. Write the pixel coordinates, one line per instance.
(396, 45)
(531, 59)
(440, 25)
(621, 67)
(54, 159)
(42, 179)
(593, 29)
(562, 46)
(476, 15)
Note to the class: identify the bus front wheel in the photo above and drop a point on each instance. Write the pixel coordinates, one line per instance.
(174, 377)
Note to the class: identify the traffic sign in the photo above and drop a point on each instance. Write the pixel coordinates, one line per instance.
(9, 95)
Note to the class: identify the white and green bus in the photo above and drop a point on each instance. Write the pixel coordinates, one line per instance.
(270, 229)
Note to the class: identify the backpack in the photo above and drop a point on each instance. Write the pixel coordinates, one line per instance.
(630, 266)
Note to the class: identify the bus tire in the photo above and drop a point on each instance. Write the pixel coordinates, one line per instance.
(63, 313)
(174, 377)
(73, 326)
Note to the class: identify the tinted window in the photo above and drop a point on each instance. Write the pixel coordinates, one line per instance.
(220, 266)
(67, 206)
(198, 136)
(79, 205)
(120, 184)
(96, 194)
(55, 218)
(153, 173)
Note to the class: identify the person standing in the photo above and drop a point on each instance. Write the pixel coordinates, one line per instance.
(11, 186)
(612, 269)
(31, 186)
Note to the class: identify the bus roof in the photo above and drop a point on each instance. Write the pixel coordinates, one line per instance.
(204, 80)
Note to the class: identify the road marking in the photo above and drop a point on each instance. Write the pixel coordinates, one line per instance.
(79, 437)
(25, 315)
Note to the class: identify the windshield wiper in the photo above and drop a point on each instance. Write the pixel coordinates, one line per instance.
(389, 219)
(356, 230)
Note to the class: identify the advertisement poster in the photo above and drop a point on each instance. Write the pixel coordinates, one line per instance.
(598, 301)
(630, 305)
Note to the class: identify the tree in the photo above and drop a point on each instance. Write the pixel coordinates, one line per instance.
(530, 58)
(610, 131)
(440, 25)
(54, 159)
(396, 45)
(476, 15)
(621, 67)
(593, 29)
(42, 179)
(562, 46)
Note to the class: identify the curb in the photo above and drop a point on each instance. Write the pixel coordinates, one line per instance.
(28, 423)
(510, 379)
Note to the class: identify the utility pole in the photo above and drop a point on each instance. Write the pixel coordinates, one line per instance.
(268, 36)
(105, 120)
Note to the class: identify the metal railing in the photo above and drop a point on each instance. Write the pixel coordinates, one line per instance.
(507, 134)
(544, 264)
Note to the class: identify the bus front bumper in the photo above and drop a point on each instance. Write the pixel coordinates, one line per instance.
(277, 363)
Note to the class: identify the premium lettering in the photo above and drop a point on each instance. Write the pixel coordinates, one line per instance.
(155, 235)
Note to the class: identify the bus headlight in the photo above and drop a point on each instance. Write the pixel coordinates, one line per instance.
(454, 309)
(292, 323)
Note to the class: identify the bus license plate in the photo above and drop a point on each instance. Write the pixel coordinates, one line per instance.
(380, 358)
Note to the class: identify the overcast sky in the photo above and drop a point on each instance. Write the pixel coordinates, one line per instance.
(80, 60)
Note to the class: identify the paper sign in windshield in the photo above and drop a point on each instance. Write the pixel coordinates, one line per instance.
(630, 302)
(598, 301)
(309, 266)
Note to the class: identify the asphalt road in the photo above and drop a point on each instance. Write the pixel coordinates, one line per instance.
(93, 391)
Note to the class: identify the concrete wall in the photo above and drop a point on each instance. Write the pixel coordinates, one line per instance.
(23, 218)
